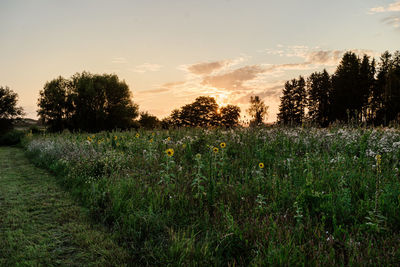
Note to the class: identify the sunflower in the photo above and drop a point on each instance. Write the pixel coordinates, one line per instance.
(215, 149)
(223, 145)
(137, 135)
(261, 165)
(170, 152)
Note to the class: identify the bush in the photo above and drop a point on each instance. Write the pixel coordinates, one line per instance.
(11, 138)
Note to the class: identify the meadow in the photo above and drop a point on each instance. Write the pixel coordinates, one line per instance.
(262, 196)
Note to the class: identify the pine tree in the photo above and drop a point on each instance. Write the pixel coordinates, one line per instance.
(319, 87)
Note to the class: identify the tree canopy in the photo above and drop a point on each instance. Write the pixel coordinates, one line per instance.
(257, 110)
(89, 102)
(203, 112)
(9, 110)
(357, 91)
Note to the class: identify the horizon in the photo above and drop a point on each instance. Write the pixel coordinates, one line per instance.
(171, 53)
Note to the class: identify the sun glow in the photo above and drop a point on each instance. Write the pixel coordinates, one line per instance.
(221, 98)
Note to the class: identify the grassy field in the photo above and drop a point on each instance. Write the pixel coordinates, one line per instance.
(41, 226)
(267, 196)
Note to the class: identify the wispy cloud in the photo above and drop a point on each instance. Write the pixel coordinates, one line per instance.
(233, 80)
(207, 67)
(393, 7)
(146, 67)
(119, 60)
(392, 20)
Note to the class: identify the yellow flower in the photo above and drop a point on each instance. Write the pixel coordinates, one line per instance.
(184, 146)
(170, 152)
(261, 165)
(169, 138)
(153, 134)
(137, 135)
(99, 142)
(115, 137)
(117, 143)
(151, 140)
(223, 145)
(378, 163)
(89, 139)
(198, 156)
(215, 149)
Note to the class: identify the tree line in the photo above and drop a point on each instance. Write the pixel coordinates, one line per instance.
(359, 90)
(94, 102)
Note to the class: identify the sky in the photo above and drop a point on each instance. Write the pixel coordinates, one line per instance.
(169, 52)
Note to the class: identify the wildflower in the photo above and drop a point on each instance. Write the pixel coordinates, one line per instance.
(117, 143)
(184, 146)
(151, 140)
(153, 134)
(215, 149)
(223, 145)
(169, 138)
(261, 165)
(115, 137)
(198, 156)
(170, 152)
(137, 135)
(378, 162)
(89, 139)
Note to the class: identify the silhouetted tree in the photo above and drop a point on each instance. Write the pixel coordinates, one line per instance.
(230, 116)
(9, 111)
(87, 102)
(257, 110)
(319, 87)
(367, 82)
(55, 104)
(202, 112)
(347, 95)
(148, 121)
(293, 102)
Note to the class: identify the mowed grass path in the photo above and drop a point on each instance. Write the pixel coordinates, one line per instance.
(40, 225)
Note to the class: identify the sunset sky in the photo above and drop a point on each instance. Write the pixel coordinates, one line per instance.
(169, 52)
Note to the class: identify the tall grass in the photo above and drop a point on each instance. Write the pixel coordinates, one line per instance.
(329, 196)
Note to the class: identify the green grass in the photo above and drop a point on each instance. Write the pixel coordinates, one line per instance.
(40, 225)
(324, 196)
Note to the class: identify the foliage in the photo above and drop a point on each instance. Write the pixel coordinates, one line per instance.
(11, 138)
(258, 111)
(9, 111)
(319, 88)
(89, 102)
(148, 121)
(203, 112)
(248, 196)
(293, 102)
(357, 92)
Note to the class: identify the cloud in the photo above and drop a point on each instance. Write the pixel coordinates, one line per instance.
(146, 67)
(268, 92)
(172, 84)
(119, 60)
(393, 7)
(392, 20)
(205, 68)
(233, 80)
(153, 91)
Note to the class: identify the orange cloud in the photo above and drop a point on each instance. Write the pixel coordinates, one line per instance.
(206, 68)
(233, 80)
